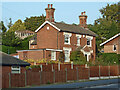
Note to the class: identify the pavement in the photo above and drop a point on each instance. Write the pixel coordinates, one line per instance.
(82, 84)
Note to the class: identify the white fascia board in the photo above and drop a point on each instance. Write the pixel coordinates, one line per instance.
(110, 39)
(29, 50)
(49, 24)
(54, 50)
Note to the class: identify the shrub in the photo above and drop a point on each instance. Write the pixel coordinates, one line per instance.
(108, 58)
(78, 58)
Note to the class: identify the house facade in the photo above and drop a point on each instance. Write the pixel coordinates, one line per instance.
(112, 45)
(56, 37)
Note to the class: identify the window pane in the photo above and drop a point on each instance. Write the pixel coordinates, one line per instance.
(88, 42)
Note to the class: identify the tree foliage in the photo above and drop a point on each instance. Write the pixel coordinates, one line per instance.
(106, 26)
(77, 57)
(33, 23)
(10, 23)
(2, 27)
(18, 25)
(10, 39)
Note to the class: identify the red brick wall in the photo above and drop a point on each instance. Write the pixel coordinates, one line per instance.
(34, 55)
(108, 47)
(47, 38)
(17, 79)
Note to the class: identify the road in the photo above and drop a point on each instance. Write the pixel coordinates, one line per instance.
(115, 86)
(82, 84)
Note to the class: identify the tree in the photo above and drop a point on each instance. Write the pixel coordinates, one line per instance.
(106, 26)
(10, 23)
(10, 39)
(33, 23)
(2, 27)
(18, 25)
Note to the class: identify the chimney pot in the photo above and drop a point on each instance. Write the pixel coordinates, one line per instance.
(48, 5)
(51, 5)
(84, 12)
(81, 13)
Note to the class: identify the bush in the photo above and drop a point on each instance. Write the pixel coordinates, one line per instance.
(78, 58)
(108, 58)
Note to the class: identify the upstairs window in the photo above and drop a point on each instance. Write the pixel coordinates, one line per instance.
(78, 41)
(67, 39)
(88, 41)
(53, 55)
(114, 48)
(15, 69)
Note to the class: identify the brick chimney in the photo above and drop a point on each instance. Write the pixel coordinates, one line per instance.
(83, 20)
(50, 13)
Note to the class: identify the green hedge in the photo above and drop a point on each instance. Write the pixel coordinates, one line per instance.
(108, 58)
(9, 50)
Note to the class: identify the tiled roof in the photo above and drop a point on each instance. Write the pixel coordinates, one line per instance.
(8, 60)
(73, 28)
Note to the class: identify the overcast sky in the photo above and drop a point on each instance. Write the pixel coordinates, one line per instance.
(65, 11)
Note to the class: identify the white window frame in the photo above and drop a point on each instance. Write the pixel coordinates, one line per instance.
(78, 39)
(67, 49)
(53, 55)
(69, 35)
(15, 70)
(89, 41)
(90, 38)
(114, 47)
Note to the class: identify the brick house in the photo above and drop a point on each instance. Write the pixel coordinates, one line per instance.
(112, 45)
(24, 33)
(11, 64)
(56, 37)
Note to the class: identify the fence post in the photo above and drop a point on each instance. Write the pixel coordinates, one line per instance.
(58, 66)
(40, 77)
(77, 72)
(99, 71)
(89, 72)
(52, 68)
(41, 67)
(54, 76)
(118, 70)
(109, 71)
(9, 80)
(71, 65)
(66, 73)
(25, 79)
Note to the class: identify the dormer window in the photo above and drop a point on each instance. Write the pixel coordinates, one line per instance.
(114, 48)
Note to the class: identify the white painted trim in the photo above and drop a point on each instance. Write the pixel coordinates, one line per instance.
(110, 39)
(69, 34)
(69, 49)
(54, 53)
(47, 22)
(29, 50)
(40, 50)
(54, 50)
(78, 36)
(12, 69)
